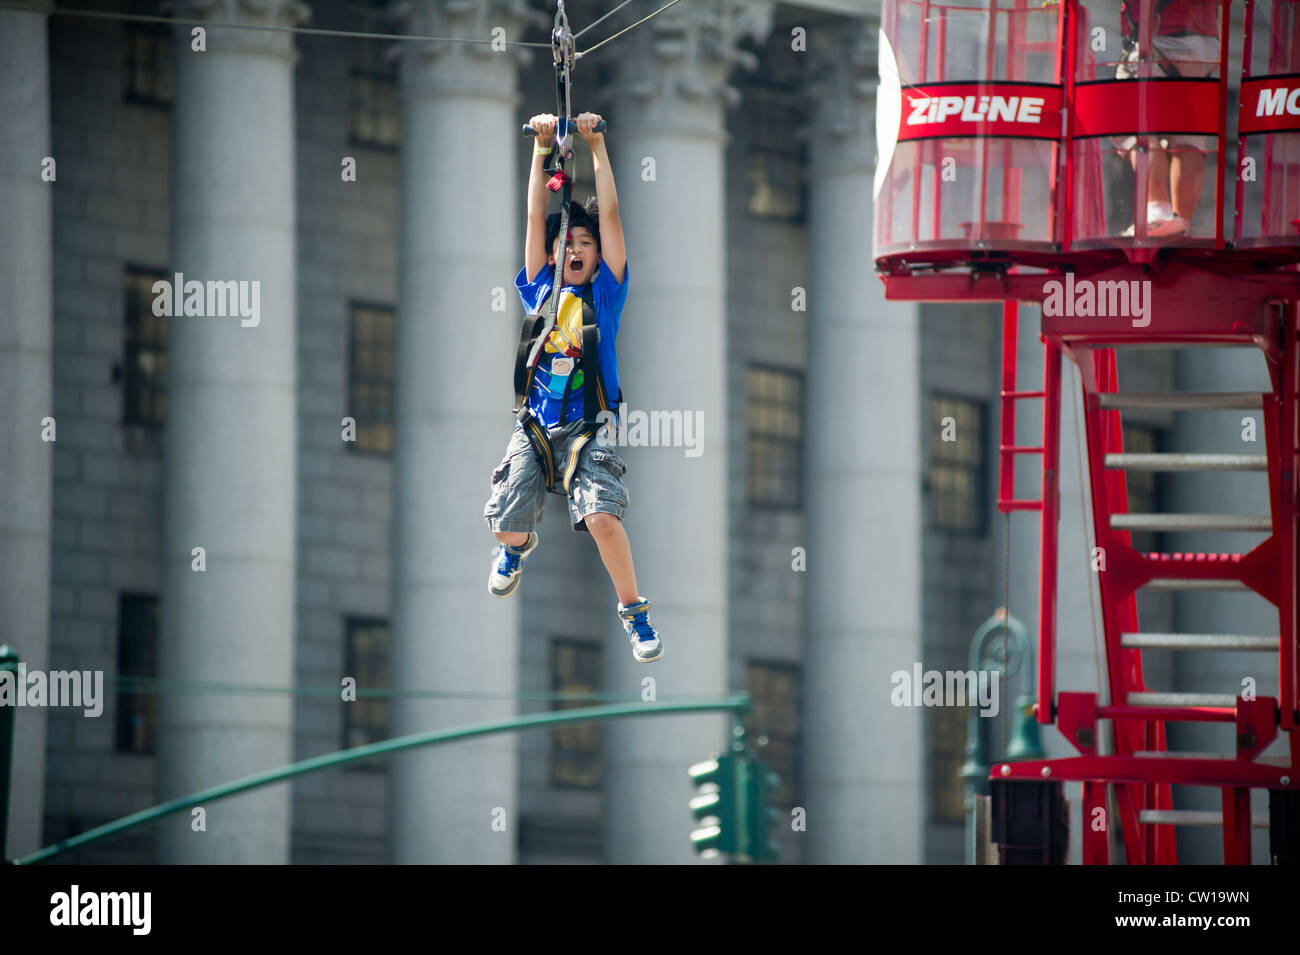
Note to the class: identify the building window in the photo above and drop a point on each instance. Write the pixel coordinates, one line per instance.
(956, 479)
(774, 689)
(137, 656)
(946, 726)
(575, 749)
(1144, 487)
(371, 374)
(774, 162)
(774, 401)
(144, 392)
(373, 113)
(150, 80)
(365, 659)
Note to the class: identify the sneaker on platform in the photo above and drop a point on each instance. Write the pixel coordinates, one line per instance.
(1163, 228)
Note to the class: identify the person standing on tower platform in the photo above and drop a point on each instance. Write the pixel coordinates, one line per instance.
(1184, 43)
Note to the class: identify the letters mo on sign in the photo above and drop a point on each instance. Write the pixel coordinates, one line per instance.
(1022, 110)
(1269, 106)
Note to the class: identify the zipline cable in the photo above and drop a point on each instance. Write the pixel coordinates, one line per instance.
(310, 31)
(605, 17)
(592, 49)
(346, 34)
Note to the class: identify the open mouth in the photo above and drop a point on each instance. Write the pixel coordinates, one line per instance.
(575, 265)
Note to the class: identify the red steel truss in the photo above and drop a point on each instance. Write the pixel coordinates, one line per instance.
(1140, 768)
(995, 232)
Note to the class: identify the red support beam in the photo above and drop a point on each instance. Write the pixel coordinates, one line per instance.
(1049, 526)
(1285, 520)
(1096, 824)
(1236, 825)
(1140, 770)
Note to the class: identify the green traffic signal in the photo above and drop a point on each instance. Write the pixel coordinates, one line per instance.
(761, 817)
(715, 806)
(734, 807)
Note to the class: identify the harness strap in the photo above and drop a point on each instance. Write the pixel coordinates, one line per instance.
(575, 448)
(594, 399)
(541, 442)
(532, 327)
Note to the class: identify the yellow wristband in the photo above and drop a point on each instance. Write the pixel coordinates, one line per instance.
(539, 151)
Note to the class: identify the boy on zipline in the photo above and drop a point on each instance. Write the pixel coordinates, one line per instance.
(562, 383)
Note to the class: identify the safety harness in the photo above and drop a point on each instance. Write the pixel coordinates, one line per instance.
(532, 336)
(538, 324)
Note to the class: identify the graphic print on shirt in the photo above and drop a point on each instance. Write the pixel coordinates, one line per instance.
(561, 351)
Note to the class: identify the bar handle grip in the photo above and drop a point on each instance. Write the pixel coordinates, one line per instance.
(529, 131)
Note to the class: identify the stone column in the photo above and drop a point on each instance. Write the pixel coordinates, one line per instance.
(667, 137)
(864, 758)
(26, 332)
(461, 238)
(230, 441)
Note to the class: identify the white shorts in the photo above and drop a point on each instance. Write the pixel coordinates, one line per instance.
(1192, 55)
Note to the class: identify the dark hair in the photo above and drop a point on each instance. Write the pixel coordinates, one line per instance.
(584, 214)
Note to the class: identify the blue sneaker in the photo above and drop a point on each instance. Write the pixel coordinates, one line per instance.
(645, 641)
(508, 567)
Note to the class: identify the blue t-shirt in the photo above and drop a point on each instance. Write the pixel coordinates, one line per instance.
(563, 346)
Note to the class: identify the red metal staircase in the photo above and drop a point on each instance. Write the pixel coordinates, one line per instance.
(1138, 763)
(973, 205)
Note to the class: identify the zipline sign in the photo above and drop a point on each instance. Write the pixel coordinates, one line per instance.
(1020, 110)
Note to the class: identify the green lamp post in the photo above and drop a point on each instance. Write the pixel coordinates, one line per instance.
(987, 653)
(9, 662)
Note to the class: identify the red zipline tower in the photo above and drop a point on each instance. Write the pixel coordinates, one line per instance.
(1016, 143)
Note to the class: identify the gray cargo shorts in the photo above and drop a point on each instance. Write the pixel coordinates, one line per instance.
(519, 484)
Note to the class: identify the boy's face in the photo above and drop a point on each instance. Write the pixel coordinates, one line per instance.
(581, 257)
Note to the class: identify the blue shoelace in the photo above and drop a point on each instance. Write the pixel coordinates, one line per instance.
(508, 562)
(641, 626)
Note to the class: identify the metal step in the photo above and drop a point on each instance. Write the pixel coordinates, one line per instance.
(1198, 641)
(1174, 345)
(1180, 754)
(1282, 762)
(1182, 402)
(1154, 698)
(1195, 817)
(1191, 522)
(1185, 583)
(1188, 462)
